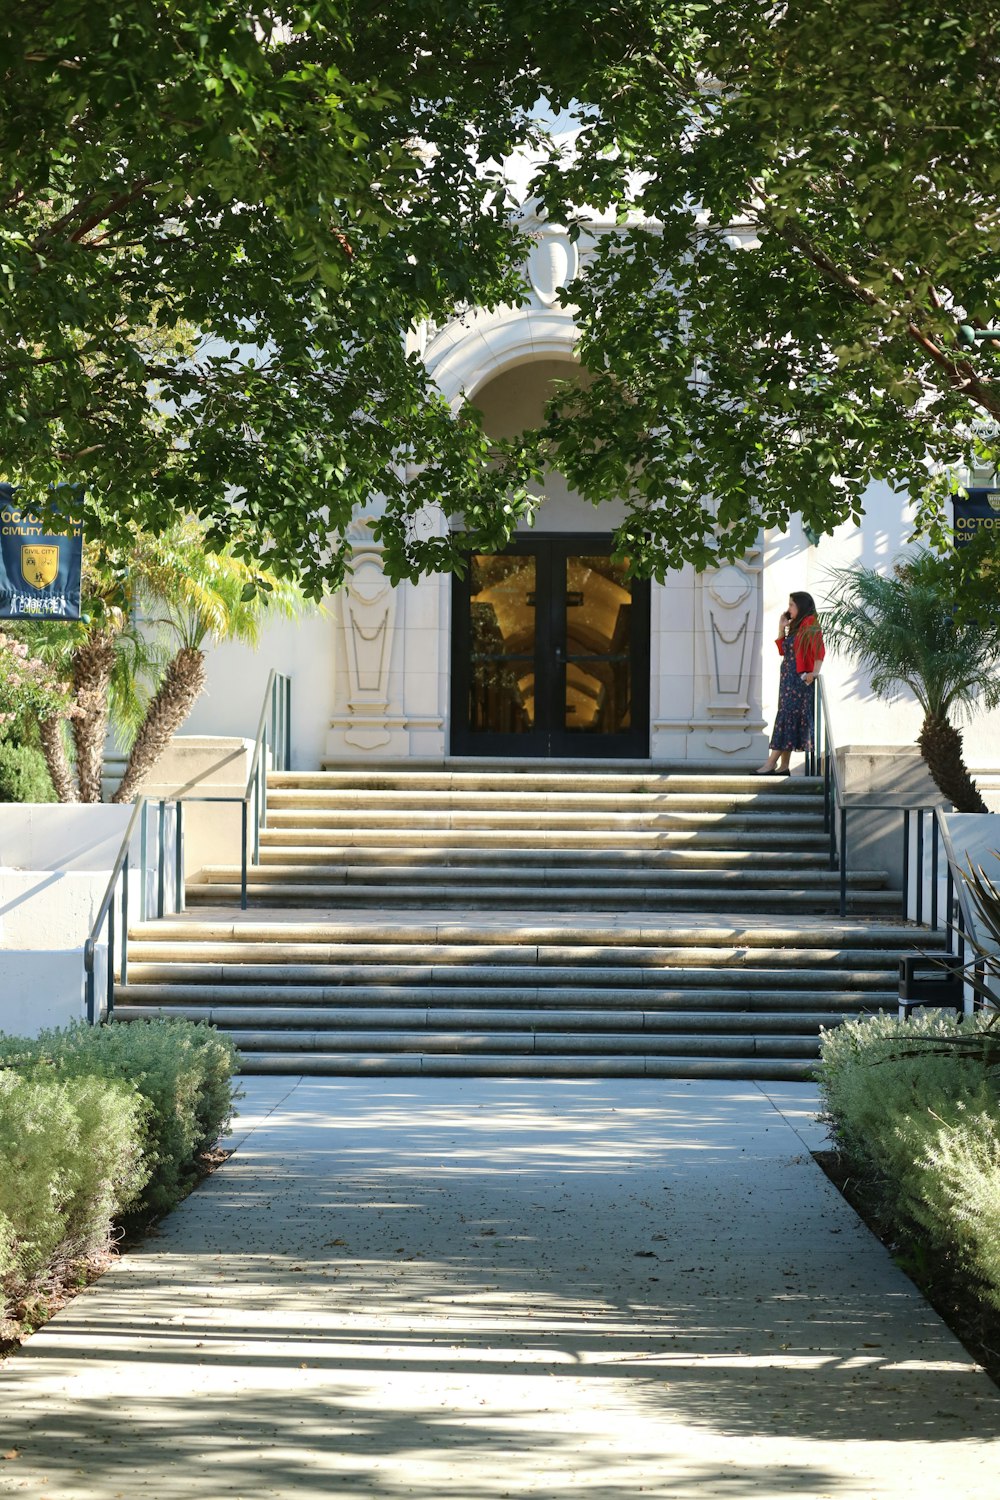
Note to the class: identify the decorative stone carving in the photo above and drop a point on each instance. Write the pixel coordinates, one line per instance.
(552, 264)
(368, 608)
(729, 616)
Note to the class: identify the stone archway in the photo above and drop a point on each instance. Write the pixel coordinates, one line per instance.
(704, 646)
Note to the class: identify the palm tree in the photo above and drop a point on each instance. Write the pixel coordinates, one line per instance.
(198, 595)
(99, 658)
(188, 595)
(906, 631)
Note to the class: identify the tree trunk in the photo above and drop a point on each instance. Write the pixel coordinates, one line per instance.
(93, 664)
(941, 747)
(182, 683)
(54, 750)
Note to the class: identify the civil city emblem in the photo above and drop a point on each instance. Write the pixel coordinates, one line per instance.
(993, 500)
(39, 565)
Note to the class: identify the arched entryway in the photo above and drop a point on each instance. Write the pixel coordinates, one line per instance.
(550, 639)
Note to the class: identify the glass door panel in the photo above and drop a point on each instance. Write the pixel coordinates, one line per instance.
(598, 649)
(550, 653)
(502, 644)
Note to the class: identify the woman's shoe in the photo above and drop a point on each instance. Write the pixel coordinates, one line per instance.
(765, 771)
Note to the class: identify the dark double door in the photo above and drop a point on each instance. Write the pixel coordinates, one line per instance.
(550, 653)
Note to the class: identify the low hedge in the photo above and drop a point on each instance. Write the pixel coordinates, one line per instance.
(72, 1161)
(100, 1124)
(914, 1108)
(183, 1072)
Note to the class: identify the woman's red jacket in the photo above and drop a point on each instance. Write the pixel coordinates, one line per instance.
(809, 648)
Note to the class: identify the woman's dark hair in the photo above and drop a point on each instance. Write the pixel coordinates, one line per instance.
(806, 606)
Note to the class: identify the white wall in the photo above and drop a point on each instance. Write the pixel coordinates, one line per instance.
(237, 679)
(312, 650)
(859, 717)
(44, 836)
(55, 863)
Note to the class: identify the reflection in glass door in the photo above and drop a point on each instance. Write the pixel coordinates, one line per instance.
(502, 644)
(598, 646)
(550, 653)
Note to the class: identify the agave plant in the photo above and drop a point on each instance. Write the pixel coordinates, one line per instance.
(904, 630)
(983, 974)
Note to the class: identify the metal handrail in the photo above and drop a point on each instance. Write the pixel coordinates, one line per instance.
(836, 807)
(823, 721)
(965, 917)
(276, 715)
(834, 799)
(119, 877)
(959, 917)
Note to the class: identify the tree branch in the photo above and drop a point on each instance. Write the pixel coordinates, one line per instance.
(961, 374)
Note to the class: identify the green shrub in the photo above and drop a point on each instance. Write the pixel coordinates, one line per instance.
(71, 1149)
(878, 1072)
(961, 1203)
(914, 1107)
(183, 1072)
(24, 776)
(8, 1262)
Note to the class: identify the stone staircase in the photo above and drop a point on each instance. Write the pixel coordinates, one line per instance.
(499, 919)
(555, 840)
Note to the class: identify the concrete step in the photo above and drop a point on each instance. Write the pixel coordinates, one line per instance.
(578, 775)
(526, 1043)
(539, 876)
(554, 818)
(519, 976)
(403, 857)
(550, 860)
(555, 898)
(449, 1019)
(746, 932)
(489, 899)
(716, 837)
(374, 800)
(459, 1065)
(519, 957)
(408, 997)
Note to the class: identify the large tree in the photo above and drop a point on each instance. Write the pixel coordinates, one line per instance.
(808, 197)
(301, 184)
(809, 207)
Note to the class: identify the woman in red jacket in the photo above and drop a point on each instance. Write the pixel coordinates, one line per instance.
(801, 645)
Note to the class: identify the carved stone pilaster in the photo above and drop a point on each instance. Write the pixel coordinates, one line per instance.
(369, 721)
(730, 600)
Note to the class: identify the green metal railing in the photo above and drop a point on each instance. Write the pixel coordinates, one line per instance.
(936, 898)
(158, 868)
(274, 737)
(112, 914)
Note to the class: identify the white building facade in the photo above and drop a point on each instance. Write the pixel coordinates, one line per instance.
(549, 650)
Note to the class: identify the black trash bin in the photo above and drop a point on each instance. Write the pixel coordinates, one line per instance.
(940, 983)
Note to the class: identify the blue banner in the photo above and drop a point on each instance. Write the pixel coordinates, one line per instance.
(39, 568)
(976, 512)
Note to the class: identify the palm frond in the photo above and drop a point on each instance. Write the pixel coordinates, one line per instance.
(903, 629)
(200, 594)
(139, 664)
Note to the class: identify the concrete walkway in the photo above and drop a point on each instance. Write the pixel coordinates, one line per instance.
(485, 1288)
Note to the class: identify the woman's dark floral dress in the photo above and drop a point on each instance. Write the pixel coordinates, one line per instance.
(793, 723)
